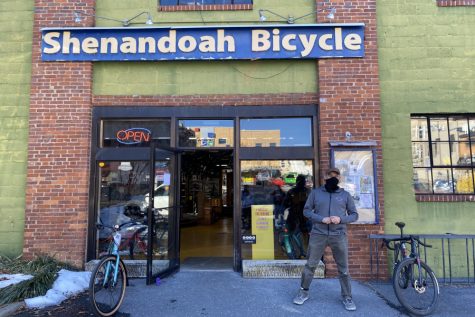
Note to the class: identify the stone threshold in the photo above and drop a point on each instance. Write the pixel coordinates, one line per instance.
(250, 268)
(278, 269)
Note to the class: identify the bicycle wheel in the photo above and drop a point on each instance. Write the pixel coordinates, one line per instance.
(137, 247)
(403, 277)
(421, 295)
(105, 295)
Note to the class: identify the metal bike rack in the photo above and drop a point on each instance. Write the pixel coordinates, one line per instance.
(447, 241)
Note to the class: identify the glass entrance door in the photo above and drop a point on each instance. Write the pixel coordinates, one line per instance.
(162, 215)
(125, 189)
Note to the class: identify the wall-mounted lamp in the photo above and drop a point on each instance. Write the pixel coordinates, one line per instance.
(125, 166)
(291, 20)
(126, 22)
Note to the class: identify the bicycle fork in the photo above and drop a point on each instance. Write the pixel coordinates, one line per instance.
(418, 283)
(115, 251)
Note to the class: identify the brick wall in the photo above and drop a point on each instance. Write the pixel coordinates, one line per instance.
(203, 100)
(59, 142)
(349, 101)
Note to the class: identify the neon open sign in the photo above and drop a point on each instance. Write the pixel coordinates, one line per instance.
(133, 135)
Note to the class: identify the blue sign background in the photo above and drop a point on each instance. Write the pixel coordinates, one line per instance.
(242, 38)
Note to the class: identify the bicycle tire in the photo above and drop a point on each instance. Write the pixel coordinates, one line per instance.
(403, 277)
(137, 247)
(297, 245)
(286, 245)
(100, 296)
(418, 299)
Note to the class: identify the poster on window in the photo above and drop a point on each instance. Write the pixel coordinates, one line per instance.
(357, 177)
(263, 229)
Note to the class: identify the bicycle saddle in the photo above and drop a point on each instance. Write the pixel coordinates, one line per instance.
(400, 224)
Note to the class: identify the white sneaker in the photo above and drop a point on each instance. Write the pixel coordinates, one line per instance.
(301, 297)
(349, 304)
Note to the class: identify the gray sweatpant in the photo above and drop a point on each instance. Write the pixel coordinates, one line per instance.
(339, 247)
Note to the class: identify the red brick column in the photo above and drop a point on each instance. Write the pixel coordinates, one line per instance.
(59, 143)
(350, 101)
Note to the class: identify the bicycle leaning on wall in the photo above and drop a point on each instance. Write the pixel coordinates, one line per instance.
(414, 282)
(109, 278)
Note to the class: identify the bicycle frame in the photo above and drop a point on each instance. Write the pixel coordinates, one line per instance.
(114, 250)
(287, 237)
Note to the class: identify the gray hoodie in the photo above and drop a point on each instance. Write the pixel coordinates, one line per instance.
(321, 204)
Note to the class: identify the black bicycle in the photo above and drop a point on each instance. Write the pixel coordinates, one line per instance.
(414, 282)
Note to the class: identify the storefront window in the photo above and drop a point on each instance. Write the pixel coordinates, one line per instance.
(135, 133)
(206, 133)
(273, 194)
(124, 198)
(276, 132)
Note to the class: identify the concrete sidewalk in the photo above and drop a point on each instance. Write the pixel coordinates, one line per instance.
(218, 293)
(226, 293)
(457, 300)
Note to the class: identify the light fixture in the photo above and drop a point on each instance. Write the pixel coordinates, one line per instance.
(126, 22)
(125, 166)
(291, 20)
(348, 136)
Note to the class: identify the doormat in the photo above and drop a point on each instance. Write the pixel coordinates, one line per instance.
(207, 263)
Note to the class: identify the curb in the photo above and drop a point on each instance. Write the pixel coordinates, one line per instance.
(9, 309)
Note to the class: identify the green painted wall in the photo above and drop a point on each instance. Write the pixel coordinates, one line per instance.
(16, 25)
(427, 65)
(203, 77)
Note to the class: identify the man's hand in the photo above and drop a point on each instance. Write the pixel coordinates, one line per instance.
(327, 220)
(335, 219)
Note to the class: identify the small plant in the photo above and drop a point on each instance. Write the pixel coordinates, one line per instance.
(44, 270)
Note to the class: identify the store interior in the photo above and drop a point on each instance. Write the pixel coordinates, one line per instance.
(206, 220)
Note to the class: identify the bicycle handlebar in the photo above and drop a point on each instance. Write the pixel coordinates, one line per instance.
(101, 226)
(405, 238)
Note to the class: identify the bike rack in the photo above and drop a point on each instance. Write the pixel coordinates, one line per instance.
(447, 241)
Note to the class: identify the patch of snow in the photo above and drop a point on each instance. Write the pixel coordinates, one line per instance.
(66, 285)
(9, 279)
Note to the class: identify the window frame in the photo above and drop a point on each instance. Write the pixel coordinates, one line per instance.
(451, 166)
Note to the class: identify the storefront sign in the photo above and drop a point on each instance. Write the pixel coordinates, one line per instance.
(263, 228)
(304, 41)
(133, 135)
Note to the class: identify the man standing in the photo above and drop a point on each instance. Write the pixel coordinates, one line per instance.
(329, 208)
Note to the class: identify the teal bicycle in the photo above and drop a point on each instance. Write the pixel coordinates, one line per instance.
(109, 278)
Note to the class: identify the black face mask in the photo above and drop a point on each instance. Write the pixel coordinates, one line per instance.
(331, 184)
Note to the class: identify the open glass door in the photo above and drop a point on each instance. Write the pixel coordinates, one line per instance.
(162, 215)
